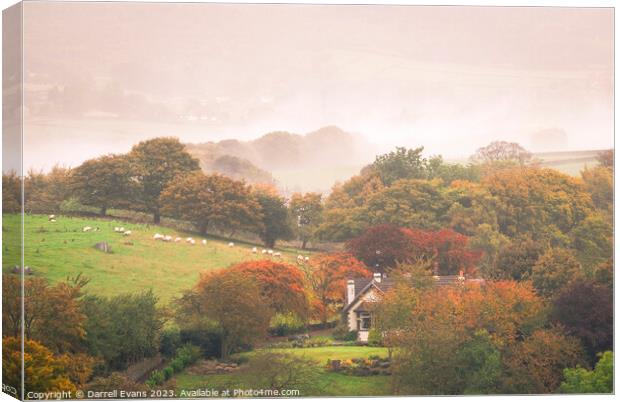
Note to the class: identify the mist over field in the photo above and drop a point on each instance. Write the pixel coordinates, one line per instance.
(451, 79)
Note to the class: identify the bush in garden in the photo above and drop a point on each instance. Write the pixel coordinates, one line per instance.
(286, 324)
(342, 333)
(374, 338)
(167, 372)
(156, 378)
(170, 342)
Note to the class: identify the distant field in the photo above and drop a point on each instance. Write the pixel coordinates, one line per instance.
(58, 250)
(569, 162)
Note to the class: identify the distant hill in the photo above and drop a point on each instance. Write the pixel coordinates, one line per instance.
(293, 159)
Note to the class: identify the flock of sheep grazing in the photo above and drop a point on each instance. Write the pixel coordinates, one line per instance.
(168, 239)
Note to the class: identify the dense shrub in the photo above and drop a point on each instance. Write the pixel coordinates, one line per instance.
(208, 340)
(342, 333)
(286, 324)
(170, 341)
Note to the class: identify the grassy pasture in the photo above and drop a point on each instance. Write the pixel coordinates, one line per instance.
(137, 262)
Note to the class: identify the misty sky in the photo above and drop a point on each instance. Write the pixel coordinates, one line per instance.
(101, 76)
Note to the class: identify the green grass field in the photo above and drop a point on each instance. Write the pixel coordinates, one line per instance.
(329, 383)
(61, 249)
(322, 354)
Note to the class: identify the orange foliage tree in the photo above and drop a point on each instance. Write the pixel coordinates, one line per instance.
(281, 283)
(327, 275)
(43, 372)
(502, 321)
(233, 302)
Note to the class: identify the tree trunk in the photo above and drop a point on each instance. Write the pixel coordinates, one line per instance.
(224, 350)
(103, 211)
(156, 217)
(304, 243)
(203, 228)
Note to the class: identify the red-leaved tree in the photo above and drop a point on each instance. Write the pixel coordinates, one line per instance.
(447, 248)
(381, 247)
(281, 283)
(327, 276)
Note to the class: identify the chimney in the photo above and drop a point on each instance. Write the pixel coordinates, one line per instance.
(350, 291)
(377, 276)
(436, 269)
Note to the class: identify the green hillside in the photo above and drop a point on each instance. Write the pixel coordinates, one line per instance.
(56, 250)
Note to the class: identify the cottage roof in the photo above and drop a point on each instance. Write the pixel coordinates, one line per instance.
(362, 285)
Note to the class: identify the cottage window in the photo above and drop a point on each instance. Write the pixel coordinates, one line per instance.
(363, 321)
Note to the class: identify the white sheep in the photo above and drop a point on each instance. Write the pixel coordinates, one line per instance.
(306, 259)
(177, 239)
(168, 238)
(192, 242)
(158, 236)
(231, 244)
(204, 242)
(300, 259)
(51, 217)
(264, 251)
(188, 239)
(278, 255)
(127, 233)
(121, 229)
(254, 250)
(52, 220)
(270, 252)
(87, 229)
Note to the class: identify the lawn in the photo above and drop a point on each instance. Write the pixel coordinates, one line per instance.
(329, 383)
(322, 354)
(137, 262)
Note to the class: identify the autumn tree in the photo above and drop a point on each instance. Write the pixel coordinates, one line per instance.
(306, 210)
(52, 314)
(402, 163)
(233, 302)
(516, 259)
(599, 182)
(327, 276)
(45, 192)
(541, 203)
(103, 182)
(455, 339)
(606, 158)
(282, 284)
(585, 309)
(448, 249)
(592, 240)
(554, 270)
(156, 163)
(392, 314)
(535, 365)
(43, 372)
(275, 219)
(11, 193)
(501, 151)
(211, 201)
(381, 247)
(490, 242)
